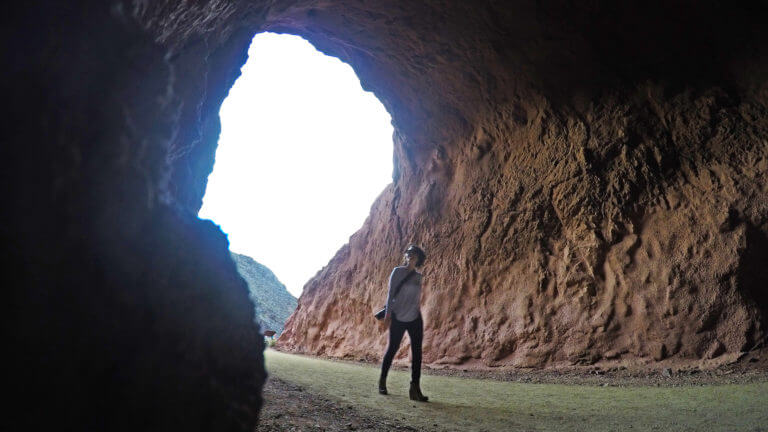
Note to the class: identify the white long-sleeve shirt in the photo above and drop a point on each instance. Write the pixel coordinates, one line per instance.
(404, 307)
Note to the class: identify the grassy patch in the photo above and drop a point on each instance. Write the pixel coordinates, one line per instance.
(477, 405)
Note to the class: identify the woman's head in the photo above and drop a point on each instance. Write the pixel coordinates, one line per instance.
(414, 252)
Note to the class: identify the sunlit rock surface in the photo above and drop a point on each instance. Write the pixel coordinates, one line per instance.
(588, 179)
(589, 184)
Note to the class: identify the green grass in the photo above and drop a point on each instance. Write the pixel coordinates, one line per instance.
(477, 405)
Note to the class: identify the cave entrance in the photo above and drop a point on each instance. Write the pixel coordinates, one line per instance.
(302, 155)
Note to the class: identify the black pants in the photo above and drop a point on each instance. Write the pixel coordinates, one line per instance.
(415, 330)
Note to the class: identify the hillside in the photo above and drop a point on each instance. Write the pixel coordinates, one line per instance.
(274, 304)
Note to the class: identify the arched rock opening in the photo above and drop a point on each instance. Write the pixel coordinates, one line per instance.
(588, 180)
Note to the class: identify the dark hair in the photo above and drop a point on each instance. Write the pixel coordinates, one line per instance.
(419, 253)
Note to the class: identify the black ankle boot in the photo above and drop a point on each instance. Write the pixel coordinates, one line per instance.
(415, 393)
(382, 385)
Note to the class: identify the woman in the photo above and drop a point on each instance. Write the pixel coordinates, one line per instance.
(403, 301)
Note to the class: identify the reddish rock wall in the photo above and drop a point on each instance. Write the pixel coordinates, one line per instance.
(589, 184)
(593, 236)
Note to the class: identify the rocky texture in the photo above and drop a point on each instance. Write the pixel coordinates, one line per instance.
(274, 304)
(587, 177)
(589, 184)
(122, 310)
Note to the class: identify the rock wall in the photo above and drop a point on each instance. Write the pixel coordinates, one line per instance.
(593, 236)
(592, 188)
(122, 310)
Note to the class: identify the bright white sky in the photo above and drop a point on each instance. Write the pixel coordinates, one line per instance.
(303, 153)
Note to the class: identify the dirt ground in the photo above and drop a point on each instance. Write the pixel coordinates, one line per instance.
(290, 408)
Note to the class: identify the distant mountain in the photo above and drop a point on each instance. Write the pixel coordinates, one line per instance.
(274, 304)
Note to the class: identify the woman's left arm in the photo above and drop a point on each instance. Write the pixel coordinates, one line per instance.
(389, 294)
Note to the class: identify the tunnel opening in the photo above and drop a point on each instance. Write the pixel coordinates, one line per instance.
(303, 153)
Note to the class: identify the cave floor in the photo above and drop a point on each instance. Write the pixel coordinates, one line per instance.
(310, 394)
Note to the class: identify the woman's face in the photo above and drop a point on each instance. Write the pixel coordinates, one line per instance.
(409, 258)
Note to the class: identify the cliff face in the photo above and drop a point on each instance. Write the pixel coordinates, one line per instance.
(274, 304)
(631, 230)
(589, 184)
(588, 179)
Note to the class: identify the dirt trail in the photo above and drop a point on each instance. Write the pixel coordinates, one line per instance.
(315, 394)
(289, 407)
